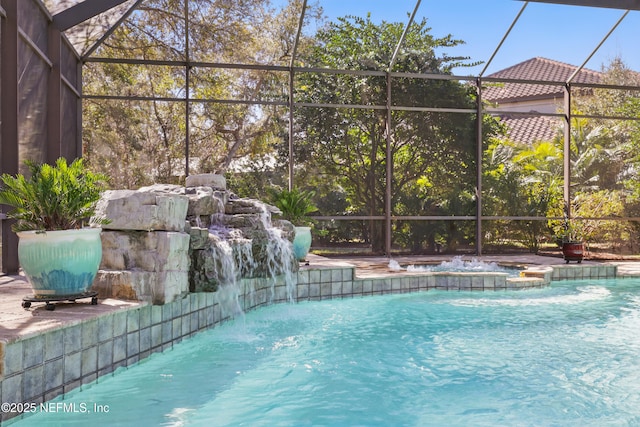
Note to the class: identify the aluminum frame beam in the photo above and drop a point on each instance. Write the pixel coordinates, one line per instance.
(493, 55)
(609, 4)
(111, 30)
(79, 13)
(9, 157)
(291, 101)
(593, 52)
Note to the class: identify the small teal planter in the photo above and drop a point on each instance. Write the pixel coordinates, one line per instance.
(302, 242)
(59, 263)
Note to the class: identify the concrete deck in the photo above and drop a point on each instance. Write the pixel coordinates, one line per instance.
(370, 266)
(17, 322)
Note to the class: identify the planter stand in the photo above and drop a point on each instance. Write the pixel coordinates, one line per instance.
(26, 301)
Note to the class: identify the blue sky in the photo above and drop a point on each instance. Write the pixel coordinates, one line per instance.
(563, 33)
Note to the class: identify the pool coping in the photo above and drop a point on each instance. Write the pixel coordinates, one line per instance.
(52, 353)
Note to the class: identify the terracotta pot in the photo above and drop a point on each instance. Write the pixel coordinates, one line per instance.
(573, 251)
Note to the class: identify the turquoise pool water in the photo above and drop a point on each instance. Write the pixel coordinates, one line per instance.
(562, 356)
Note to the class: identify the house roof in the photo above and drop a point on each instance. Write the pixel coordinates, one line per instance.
(530, 129)
(537, 69)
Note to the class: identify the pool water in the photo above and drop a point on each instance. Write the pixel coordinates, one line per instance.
(566, 355)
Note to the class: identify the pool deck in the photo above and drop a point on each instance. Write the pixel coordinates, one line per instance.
(17, 322)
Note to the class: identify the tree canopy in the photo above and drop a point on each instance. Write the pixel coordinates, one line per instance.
(358, 112)
(432, 152)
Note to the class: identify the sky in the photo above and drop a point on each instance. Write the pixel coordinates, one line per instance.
(563, 33)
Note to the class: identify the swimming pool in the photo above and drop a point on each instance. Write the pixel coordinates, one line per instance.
(564, 355)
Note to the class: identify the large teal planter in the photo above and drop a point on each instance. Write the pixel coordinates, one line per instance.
(302, 242)
(59, 263)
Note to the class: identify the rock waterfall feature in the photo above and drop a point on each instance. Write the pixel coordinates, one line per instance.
(164, 241)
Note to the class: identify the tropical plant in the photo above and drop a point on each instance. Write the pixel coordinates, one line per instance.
(295, 205)
(569, 231)
(58, 197)
(522, 180)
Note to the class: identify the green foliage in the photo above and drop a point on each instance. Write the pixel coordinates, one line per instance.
(604, 203)
(568, 231)
(56, 197)
(527, 180)
(295, 205)
(604, 152)
(521, 180)
(342, 152)
(347, 147)
(141, 142)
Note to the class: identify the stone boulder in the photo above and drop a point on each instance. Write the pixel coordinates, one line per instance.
(141, 250)
(199, 238)
(143, 266)
(154, 287)
(143, 210)
(238, 206)
(145, 249)
(211, 180)
(202, 202)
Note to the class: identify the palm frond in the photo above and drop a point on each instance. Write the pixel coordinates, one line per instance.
(55, 197)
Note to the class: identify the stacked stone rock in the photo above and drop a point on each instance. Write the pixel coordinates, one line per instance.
(157, 246)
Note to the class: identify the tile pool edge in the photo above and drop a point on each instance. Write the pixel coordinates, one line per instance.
(38, 368)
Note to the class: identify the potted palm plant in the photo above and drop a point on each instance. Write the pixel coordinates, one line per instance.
(296, 205)
(59, 248)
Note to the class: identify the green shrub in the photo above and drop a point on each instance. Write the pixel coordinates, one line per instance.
(58, 197)
(296, 205)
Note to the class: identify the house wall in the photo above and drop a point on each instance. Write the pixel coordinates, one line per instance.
(546, 106)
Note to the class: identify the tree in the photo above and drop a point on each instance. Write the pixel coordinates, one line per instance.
(603, 148)
(145, 140)
(347, 146)
(252, 33)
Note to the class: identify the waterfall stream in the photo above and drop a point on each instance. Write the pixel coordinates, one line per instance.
(258, 250)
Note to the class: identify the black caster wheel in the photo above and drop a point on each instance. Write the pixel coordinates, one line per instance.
(26, 301)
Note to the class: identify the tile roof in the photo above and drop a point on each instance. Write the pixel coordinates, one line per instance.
(540, 69)
(530, 129)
